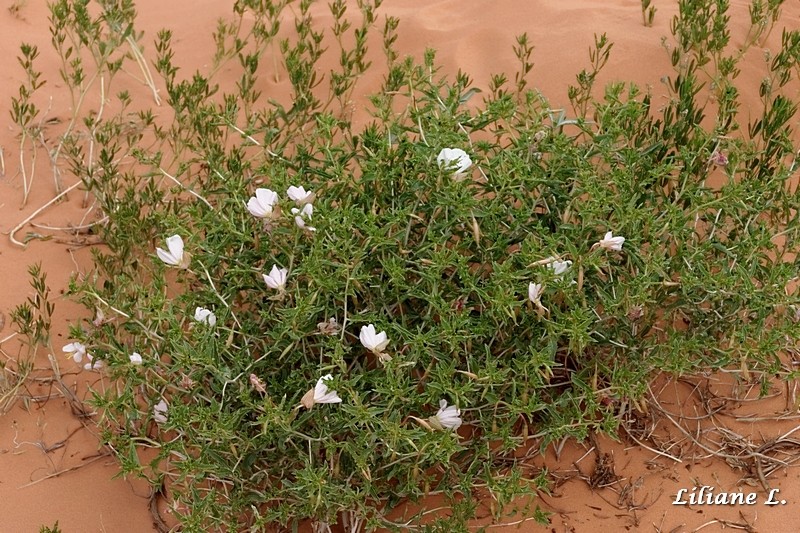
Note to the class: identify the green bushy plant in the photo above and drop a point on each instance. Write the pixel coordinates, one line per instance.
(54, 529)
(494, 277)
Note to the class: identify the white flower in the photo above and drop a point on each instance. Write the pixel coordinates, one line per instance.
(609, 242)
(160, 412)
(454, 159)
(446, 417)
(559, 267)
(92, 364)
(201, 314)
(320, 394)
(135, 358)
(300, 195)
(261, 205)
(535, 292)
(373, 342)
(302, 215)
(76, 350)
(276, 278)
(175, 256)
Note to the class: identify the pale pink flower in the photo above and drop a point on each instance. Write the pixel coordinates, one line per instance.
(454, 159)
(175, 256)
(257, 384)
(535, 292)
(262, 204)
(609, 242)
(160, 412)
(558, 267)
(303, 215)
(76, 350)
(206, 316)
(331, 327)
(446, 417)
(324, 395)
(276, 278)
(300, 195)
(320, 394)
(374, 342)
(719, 158)
(92, 363)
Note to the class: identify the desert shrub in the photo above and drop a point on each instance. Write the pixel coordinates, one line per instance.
(494, 277)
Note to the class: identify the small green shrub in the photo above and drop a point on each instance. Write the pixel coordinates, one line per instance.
(513, 312)
(54, 529)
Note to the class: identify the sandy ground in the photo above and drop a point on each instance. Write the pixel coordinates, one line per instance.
(52, 467)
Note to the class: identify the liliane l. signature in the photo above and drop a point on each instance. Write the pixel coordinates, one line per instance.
(705, 495)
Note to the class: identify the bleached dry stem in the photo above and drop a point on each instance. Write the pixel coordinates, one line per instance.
(36, 213)
(187, 189)
(142, 62)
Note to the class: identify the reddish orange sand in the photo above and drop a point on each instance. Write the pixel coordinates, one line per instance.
(43, 438)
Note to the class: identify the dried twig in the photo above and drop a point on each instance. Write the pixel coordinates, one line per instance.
(37, 212)
(87, 461)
